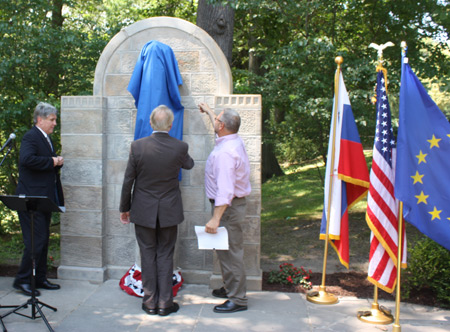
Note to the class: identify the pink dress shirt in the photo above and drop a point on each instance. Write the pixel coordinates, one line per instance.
(227, 173)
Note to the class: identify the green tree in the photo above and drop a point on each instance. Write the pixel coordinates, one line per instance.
(285, 50)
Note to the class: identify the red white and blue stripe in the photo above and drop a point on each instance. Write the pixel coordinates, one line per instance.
(382, 207)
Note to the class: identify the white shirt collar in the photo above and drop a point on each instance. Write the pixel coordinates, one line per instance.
(43, 132)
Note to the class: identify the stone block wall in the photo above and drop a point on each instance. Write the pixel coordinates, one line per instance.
(82, 226)
(96, 132)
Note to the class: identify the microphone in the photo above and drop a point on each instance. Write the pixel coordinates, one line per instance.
(9, 141)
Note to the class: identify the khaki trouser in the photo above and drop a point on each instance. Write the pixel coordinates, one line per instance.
(232, 260)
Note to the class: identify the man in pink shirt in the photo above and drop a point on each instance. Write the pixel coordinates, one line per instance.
(227, 183)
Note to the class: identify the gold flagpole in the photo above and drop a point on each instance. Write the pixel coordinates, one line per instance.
(377, 314)
(396, 327)
(322, 296)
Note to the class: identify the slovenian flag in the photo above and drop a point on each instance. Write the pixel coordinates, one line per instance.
(347, 180)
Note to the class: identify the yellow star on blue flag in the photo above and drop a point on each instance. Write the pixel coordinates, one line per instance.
(422, 178)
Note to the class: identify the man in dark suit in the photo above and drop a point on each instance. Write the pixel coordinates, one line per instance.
(38, 176)
(151, 199)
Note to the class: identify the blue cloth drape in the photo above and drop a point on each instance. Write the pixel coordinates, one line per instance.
(155, 82)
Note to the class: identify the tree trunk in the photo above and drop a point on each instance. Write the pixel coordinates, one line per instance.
(54, 65)
(218, 21)
(270, 166)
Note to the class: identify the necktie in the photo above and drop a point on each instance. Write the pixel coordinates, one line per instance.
(50, 143)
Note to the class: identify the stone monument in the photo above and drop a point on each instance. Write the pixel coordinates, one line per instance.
(96, 132)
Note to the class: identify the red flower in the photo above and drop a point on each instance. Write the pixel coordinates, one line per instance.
(289, 279)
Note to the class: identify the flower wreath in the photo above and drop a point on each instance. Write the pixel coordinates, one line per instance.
(131, 282)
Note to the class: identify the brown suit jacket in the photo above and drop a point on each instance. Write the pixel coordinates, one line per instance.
(151, 187)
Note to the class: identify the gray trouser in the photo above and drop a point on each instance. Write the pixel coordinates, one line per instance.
(232, 260)
(157, 248)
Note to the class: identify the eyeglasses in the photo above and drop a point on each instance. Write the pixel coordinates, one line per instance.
(217, 119)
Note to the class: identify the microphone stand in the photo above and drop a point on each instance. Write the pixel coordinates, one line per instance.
(6, 306)
(36, 305)
(6, 154)
(31, 204)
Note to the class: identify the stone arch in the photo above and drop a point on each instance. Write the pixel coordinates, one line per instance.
(133, 38)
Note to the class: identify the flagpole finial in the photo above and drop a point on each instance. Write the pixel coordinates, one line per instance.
(380, 49)
(339, 60)
(404, 47)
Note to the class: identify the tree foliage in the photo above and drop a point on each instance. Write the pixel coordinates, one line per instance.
(295, 44)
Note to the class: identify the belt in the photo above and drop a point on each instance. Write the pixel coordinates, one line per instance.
(212, 201)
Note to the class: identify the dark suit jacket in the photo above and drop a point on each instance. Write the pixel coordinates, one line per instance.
(151, 187)
(37, 175)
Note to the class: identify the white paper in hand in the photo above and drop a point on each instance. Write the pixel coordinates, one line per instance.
(218, 241)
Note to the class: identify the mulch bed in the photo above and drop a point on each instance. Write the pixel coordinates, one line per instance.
(11, 270)
(350, 283)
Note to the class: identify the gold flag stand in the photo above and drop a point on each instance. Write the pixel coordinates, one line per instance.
(376, 314)
(322, 296)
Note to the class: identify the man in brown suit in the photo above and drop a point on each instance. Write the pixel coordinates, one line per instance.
(151, 199)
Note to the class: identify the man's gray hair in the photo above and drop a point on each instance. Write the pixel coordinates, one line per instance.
(43, 110)
(231, 120)
(161, 118)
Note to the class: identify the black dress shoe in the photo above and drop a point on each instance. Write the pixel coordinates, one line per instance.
(26, 289)
(229, 307)
(168, 311)
(221, 292)
(47, 285)
(149, 311)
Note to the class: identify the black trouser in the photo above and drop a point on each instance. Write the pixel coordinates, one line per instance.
(41, 237)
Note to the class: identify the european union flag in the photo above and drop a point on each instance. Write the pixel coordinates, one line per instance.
(422, 179)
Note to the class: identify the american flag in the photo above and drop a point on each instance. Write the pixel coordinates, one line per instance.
(382, 207)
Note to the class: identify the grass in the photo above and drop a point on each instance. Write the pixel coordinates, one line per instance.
(291, 217)
(298, 194)
(292, 206)
(12, 247)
